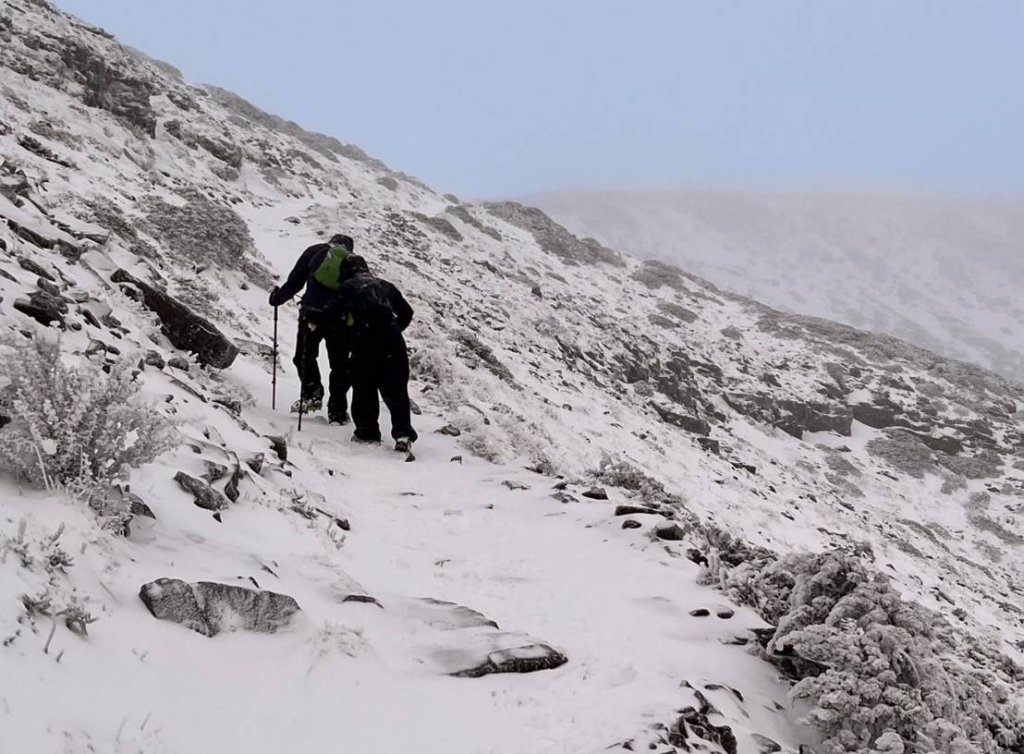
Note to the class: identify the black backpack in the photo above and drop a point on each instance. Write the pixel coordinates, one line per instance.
(369, 303)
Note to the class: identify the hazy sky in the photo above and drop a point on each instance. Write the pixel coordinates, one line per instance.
(501, 99)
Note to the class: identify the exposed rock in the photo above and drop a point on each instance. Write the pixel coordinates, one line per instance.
(42, 307)
(658, 321)
(231, 404)
(675, 310)
(210, 608)
(154, 359)
(137, 506)
(595, 493)
(450, 430)
(655, 274)
(364, 599)
(631, 524)
(225, 151)
(526, 659)
(36, 147)
(741, 466)
(279, 445)
(873, 415)
(205, 496)
(765, 745)
(692, 424)
(552, 237)
(669, 530)
(633, 510)
(709, 445)
(695, 722)
(110, 88)
(792, 417)
(231, 490)
(696, 556)
(467, 217)
(214, 472)
(183, 327)
(942, 443)
(36, 269)
(388, 182)
(441, 225)
(255, 462)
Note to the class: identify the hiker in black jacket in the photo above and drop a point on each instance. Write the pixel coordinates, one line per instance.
(377, 313)
(318, 271)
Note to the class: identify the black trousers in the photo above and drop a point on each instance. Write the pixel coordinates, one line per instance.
(380, 365)
(313, 332)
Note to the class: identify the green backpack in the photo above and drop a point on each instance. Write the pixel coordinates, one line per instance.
(328, 274)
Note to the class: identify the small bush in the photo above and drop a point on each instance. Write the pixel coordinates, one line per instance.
(201, 230)
(904, 451)
(617, 472)
(75, 429)
(985, 464)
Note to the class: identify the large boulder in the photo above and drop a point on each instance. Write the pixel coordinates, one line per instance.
(210, 608)
(183, 327)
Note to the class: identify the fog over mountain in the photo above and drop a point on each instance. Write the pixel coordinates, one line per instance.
(944, 274)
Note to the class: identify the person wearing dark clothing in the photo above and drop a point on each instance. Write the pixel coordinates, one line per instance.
(377, 314)
(317, 270)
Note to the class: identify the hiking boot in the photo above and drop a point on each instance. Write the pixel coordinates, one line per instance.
(307, 405)
(403, 444)
(339, 419)
(365, 439)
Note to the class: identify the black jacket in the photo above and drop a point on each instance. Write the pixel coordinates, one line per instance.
(318, 298)
(374, 305)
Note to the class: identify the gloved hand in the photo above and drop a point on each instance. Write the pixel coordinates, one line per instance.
(276, 298)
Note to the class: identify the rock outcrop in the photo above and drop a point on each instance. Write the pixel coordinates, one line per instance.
(210, 608)
(183, 327)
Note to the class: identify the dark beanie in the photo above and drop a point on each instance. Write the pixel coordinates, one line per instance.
(340, 239)
(353, 265)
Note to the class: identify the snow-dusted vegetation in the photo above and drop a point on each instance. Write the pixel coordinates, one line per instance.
(78, 430)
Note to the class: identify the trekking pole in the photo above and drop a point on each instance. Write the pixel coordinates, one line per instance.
(303, 337)
(273, 379)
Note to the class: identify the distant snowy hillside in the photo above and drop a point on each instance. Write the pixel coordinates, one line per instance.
(645, 514)
(943, 274)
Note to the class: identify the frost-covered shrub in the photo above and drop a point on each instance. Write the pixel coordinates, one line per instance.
(883, 674)
(75, 429)
(953, 483)
(983, 465)
(620, 473)
(904, 451)
(200, 230)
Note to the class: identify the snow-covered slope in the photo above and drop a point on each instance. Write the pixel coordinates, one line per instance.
(943, 274)
(725, 436)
